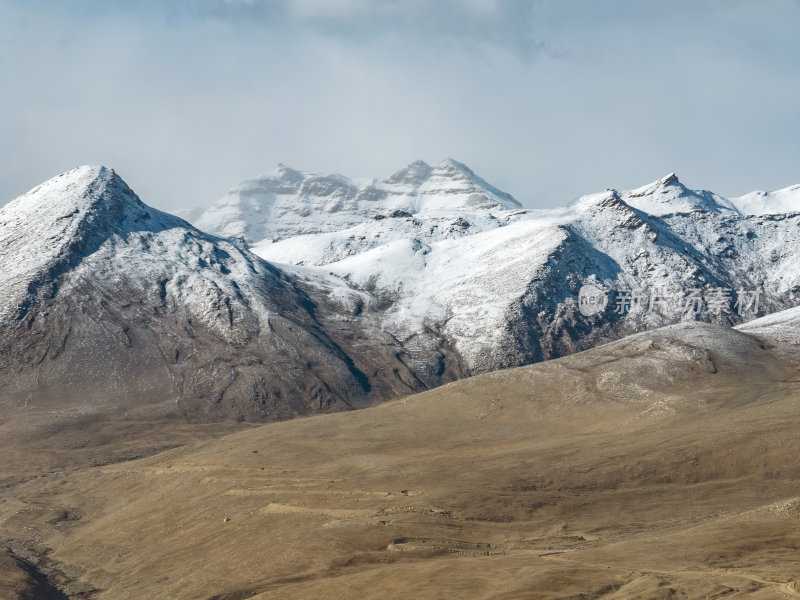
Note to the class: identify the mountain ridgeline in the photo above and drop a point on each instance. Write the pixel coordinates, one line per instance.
(299, 293)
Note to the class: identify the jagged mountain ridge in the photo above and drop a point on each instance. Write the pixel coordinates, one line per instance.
(502, 288)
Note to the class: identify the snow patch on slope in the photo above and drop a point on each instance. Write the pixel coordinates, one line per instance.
(462, 287)
(781, 330)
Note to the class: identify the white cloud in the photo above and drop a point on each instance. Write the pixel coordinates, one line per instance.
(185, 103)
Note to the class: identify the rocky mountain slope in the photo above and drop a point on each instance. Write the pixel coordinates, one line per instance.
(107, 301)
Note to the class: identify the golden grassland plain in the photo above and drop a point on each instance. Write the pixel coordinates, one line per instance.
(666, 465)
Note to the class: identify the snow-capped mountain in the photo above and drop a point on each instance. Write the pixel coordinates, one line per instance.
(499, 284)
(287, 203)
(105, 300)
(363, 291)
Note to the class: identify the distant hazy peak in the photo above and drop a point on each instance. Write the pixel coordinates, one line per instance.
(455, 171)
(415, 173)
(449, 164)
(286, 202)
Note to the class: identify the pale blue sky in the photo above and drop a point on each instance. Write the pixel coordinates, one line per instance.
(547, 99)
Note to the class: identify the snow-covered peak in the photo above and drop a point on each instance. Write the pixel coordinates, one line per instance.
(284, 175)
(452, 166)
(76, 191)
(669, 196)
(609, 207)
(72, 219)
(786, 200)
(454, 186)
(668, 180)
(605, 198)
(414, 174)
(83, 199)
(285, 202)
(659, 185)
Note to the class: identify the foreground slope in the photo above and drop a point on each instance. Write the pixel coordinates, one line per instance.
(663, 465)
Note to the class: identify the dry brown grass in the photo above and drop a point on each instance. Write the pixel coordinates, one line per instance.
(662, 466)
